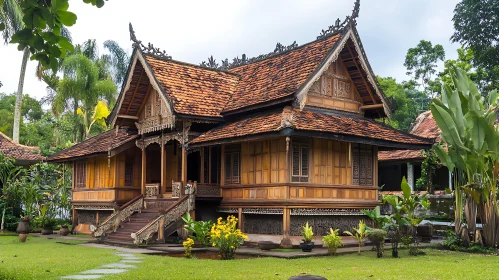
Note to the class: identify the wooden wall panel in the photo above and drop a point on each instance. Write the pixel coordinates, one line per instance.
(263, 162)
(331, 164)
(298, 192)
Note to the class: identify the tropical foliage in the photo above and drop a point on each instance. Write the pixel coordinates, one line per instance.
(332, 241)
(360, 233)
(377, 236)
(467, 121)
(307, 233)
(200, 230)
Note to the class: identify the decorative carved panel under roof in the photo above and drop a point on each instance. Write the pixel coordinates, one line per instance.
(154, 115)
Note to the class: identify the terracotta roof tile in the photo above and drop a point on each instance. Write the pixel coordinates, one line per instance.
(424, 126)
(194, 90)
(101, 143)
(18, 151)
(310, 121)
(278, 76)
(400, 155)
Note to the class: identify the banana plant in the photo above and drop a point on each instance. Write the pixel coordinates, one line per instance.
(101, 112)
(360, 233)
(380, 221)
(470, 144)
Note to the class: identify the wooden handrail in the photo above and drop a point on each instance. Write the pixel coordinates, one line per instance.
(130, 202)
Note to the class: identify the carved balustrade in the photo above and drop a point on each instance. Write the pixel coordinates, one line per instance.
(113, 221)
(152, 190)
(172, 214)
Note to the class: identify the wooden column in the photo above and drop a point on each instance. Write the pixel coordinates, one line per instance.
(143, 183)
(183, 177)
(163, 170)
(240, 217)
(286, 228)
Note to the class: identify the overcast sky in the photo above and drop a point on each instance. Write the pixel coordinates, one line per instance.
(193, 30)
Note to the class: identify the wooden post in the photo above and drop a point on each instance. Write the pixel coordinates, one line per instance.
(240, 217)
(183, 177)
(286, 228)
(143, 171)
(222, 167)
(163, 170)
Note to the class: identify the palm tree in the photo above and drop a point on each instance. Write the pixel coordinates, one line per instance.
(81, 87)
(11, 17)
(119, 61)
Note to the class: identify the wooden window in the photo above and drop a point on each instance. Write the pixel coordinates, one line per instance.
(215, 165)
(300, 162)
(232, 164)
(129, 172)
(81, 175)
(362, 165)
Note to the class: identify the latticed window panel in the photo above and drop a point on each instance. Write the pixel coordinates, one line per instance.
(129, 172)
(233, 165)
(362, 165)
(300, 162)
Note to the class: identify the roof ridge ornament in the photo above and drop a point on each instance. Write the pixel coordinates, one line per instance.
(226, 65)
(149, 49)
(338, 25)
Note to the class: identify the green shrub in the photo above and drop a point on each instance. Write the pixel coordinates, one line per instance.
(307, 233)
(332, 241)
(377, 236)
(200, 229)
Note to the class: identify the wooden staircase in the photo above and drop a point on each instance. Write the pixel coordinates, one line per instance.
(122, 236)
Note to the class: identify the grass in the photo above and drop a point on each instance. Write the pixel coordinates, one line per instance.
(41, 258)
(435, 265)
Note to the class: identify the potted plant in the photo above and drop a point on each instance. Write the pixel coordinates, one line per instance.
(360, 234)
(332, 241)
(64, 230)
(23, 228)
(307, 234)
(46, 221)
(267, 245)
(377, 237)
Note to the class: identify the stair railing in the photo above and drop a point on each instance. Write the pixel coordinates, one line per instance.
(123, 213)
(171, 215)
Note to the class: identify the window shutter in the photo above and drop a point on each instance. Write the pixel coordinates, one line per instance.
(304, 164)
(235, 168)
(296, 160)
(228, 168)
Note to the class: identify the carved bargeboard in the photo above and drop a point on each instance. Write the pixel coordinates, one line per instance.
(156, 115)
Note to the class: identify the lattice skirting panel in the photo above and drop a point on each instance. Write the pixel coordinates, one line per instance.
(321, 224)
(263, 224)
(86, 216)
(104, 215)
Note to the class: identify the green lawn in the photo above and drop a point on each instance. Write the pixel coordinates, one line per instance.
(41, 258)
(435, 265)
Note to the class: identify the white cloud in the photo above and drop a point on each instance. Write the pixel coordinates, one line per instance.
(193, 30)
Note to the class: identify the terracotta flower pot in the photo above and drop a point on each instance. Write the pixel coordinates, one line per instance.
(307, 246)
(64, 231)
(267, 245)
(23, 237)
(23, 226)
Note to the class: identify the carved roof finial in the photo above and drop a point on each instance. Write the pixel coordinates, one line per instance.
(338, 25)
(149, 49)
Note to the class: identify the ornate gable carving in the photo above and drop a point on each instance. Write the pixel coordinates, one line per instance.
(334, 90)
(156, 114)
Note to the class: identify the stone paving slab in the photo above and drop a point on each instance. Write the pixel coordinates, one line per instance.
(131, 261)
(118, 265)
(82, 277)
(57, 236)
(104, 271)
(121, 249)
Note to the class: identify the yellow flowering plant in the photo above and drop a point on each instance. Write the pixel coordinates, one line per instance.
(188, 243)
(226, 236)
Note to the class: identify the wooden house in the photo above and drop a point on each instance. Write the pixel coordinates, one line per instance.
(277, 140)
(23, 155)
(395, 164)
